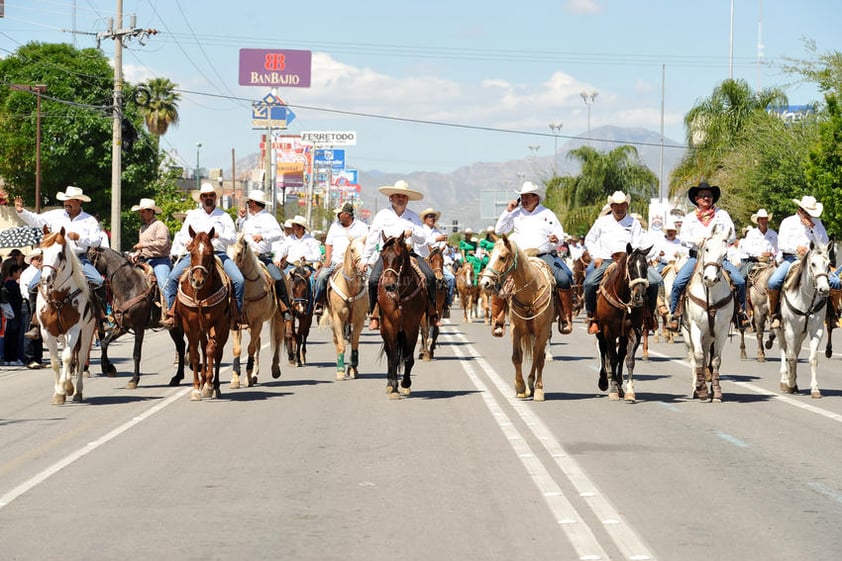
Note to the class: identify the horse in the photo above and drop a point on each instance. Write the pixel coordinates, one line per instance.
(709, 311)
(668, 274)
(620, 309)
(579, 269)
(65, 313)
(468, 291)
(803, 299)
(756, 284)
(834, 307)
(259, 306)
(347, 306)
(527, 284)
(301, 296)
(402, 297)
(203, 309)
(135, 308)
(430, 333)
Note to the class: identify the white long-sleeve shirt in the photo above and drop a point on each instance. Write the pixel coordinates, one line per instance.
(339, 238)
(693, 231)
(223, 228)
(389, 223)
(295, 249)
(90, 234)
(793, 234)
(265, 225)
(756, 243)
(423, 250)
(609, 236)
(532, 230)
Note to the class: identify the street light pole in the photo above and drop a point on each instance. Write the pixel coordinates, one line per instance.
(38, 90)
(198, 173)
(589, 98)
(556, 128)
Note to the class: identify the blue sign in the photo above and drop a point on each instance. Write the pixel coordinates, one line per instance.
(329, 158)
(271, 112)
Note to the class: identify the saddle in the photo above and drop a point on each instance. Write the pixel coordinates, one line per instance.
(792, 275)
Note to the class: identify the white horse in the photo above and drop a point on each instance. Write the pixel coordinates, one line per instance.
(803, 301)
(709, 310)
(66, 314)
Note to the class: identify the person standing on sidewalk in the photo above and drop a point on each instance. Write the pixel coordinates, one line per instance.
(32, 348)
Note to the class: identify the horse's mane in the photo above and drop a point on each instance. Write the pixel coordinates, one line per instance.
(76, 272)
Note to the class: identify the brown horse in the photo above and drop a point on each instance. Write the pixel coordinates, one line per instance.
(620, 308)
(347, 304)
(430, 333)
(402, 297)
(301, 296)
(203, 309)
(758, 301)
(259, 306)
(580, 267)
(527, 284)
(468, 291)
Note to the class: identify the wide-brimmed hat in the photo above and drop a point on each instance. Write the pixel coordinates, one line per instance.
(529, 187)
(761, 214)
(300, 220)
(714, 189)
(206, 188)
(401, 187)
(430, 210)
(468, 231)
(36, 252)
(670, 224)
(147, 204)
(347, 208)
(288, 223)
(73, 192)
(256, 195)
(489, 230)
(810, 205)
(618, 198)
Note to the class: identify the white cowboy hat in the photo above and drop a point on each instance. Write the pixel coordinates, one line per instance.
(618, 198)
(300, 220)
(288, 223)
(36, 252)
(530, 188)
(73, 193)
(489, 230)
(468, 231)
(761, 214)
(256, 195)
(206, 188)
(146, 204)
(401, 187)
(670, 224)
(810, 205)
(430, 210)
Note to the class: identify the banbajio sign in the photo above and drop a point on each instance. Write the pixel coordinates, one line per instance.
(275, 68)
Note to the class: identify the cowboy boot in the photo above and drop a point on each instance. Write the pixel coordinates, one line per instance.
(565, 311)
(774, 307)
(593, 325)
(675, 319)
(168, 321)
(498, 315)
(34, 332)
(374, 323)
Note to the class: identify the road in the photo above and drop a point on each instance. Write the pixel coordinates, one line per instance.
(307, 467)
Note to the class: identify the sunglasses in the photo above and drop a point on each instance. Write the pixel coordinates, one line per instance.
(704, 196)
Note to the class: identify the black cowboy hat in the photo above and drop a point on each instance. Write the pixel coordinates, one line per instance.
(691, 194)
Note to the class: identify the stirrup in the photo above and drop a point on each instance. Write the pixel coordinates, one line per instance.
(374, 324)
(593, 326)
(674, 323)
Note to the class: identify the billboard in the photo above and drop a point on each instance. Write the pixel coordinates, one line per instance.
(275, 68)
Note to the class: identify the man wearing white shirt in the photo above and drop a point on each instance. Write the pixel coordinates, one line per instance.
(437, 238)
(300, 246)
(670, 248)
(393, 220)
(204, 219)
(339, 237)
(534, 226)
(760, 244)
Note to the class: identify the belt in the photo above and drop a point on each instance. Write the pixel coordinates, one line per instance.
(694, 253)
(788, 255)
(750, 259)
(553, 252)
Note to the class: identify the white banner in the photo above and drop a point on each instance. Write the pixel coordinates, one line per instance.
(330, 138)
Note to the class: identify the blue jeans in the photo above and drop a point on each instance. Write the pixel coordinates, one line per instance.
(682, 278)
(561, 272)
(592, 280)
(237, 280)
(776, 281)
(450, 281)
(161, 266)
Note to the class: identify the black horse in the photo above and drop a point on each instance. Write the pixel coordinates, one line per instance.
(134, 305)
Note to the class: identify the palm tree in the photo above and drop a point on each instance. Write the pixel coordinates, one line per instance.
(159, 106)
(579, 199)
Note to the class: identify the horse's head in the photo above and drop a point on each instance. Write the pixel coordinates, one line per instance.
(354, 254)
(711, 254)
(299, 288)
(816, 265)
(395, 257)
(201, 257)
(238, 250)
(436, 260)
(637, 268)
(501, 263)
(54, 257)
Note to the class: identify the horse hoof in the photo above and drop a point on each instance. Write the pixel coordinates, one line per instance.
(788, 389)
(828, 353)
(276, 372)
(175, 381)
(353, 373)
(522, 395)
(761, 358)
(59, 399)
(111, 372)
(613, 396)
(195, 395)
(86, 373)
(77, 398)
(340, 375)
(631, 397)
(816, 394)
(132, 385)
(390, 389)
(768, 344)
(394, 396)
(404, 391)
(235, 382)
(603, 383)
(252, 381)
(538, 396)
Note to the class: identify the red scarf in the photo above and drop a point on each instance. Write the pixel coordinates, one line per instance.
(705, 216)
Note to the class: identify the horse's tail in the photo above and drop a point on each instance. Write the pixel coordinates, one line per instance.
(401, 348)
(526, 342)
(325, 321)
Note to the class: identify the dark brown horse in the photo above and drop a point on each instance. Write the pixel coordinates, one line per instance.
(134, 304)
(620, 307)
(580, 267)
(402, 296)
(430, 333)
(203, 310)
(301, 294)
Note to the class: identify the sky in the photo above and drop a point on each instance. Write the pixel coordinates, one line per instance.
(437, 85)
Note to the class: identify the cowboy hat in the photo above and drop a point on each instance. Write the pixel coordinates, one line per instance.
(761, 214)
(529, 187)
(257, 196)
(300, 220)
(810, 205)
(347, 208)
(288, 223)
(206, 188)
(73, 193)
(401, 187)
(468, 231)
(691, 194)
(147, 204)
(670, 224)
(618, 198)
(36, 252)
(430, 210)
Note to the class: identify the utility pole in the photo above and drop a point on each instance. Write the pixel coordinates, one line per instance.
(38, 90)
(118, 34)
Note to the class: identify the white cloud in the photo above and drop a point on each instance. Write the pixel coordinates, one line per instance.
(583, 7)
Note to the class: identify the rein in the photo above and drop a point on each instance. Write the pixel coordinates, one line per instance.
(814, 305)
(705, 304)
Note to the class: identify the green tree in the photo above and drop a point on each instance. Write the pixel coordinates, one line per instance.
(578, 199)
(824, 167)
(158, 103)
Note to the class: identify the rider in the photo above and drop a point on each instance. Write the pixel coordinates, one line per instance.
(298, 247)
(698, 226)
(153, 244)
(203, 219)
(537, 227)
(760, 244)
(339, 237)
(669, 248)
(396, 218)
(796, 234)
(436, 238)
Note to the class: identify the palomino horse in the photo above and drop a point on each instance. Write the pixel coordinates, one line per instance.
(620, 307)
(66, 314)
(203, 309)
(668, 275)
(468, 291)
(756, 284)
(709, 311)
(402, 297)
(347, 305)
(803, 299)
(430, 333)
(135, 307)
(527, 284)
(259, 306)
(301, 296)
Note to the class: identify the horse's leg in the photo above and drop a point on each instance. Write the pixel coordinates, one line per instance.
(136, 354)
(235, 364)
(830, 322)
(218, 349)
(67, 355)
(83, 351)
(253, 364)
(193, 350)
(338, 326)
(618, 357)
(356, 330)
(815, 340)
(603, 359)
(390, 347)
(106, 366)
(521, 390)
(423, 354)
(276, 331)
(409, 342)
(51, 343)
(538, 361)
(209, 366)
(697, 362)
(177, 336)
(759, 323)
(633, 343)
